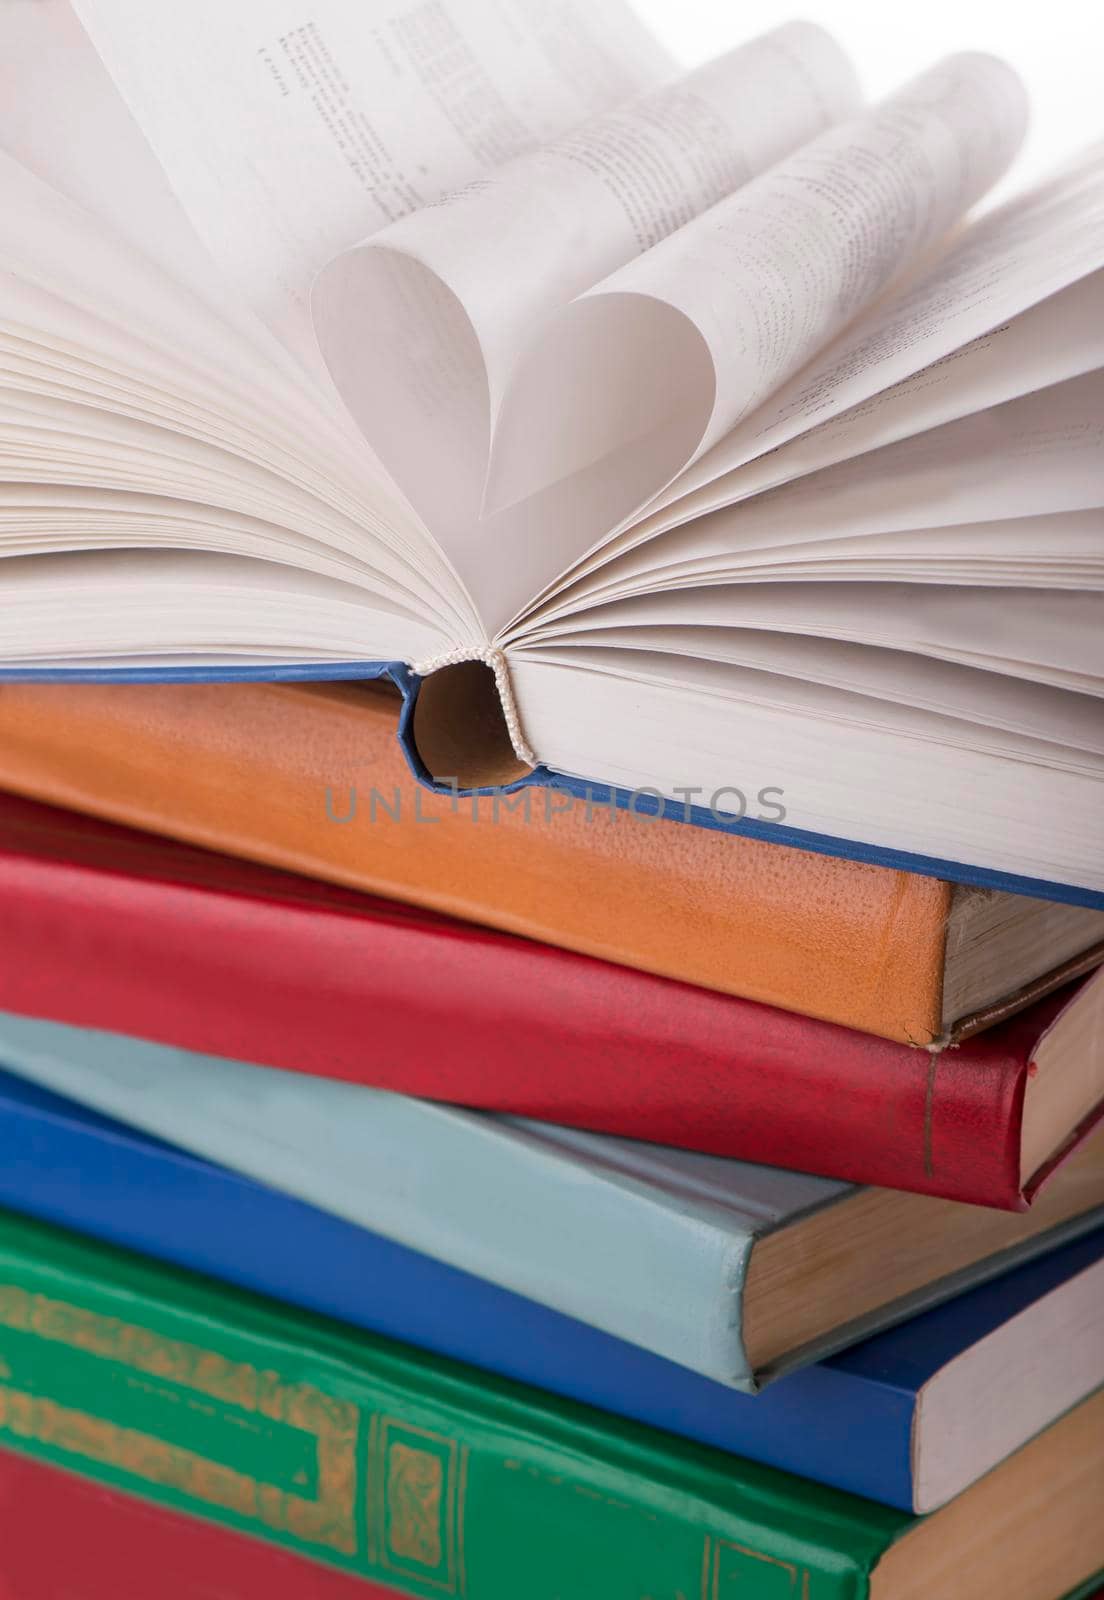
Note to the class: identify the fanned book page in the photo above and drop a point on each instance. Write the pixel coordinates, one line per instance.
(700, 435)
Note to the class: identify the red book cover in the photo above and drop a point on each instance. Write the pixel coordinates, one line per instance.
(109, 928)
(64, 1538)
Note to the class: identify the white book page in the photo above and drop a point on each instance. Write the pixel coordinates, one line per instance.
(1029, 250)
(724, 735)
(76, 477)
(116, 376)
(1056, 551)
(885, 673)
(638, 377)
(422, 324)
(714, 682)
(1040, 454)
(1061, 337)
(63, 118)
(1056, 637)
(291, 129)
(178, 604)
(1061, 551)
(76, 292)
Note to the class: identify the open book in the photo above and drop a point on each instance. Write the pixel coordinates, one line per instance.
(692, 435)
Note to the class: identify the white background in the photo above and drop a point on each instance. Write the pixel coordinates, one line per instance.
(1057, 47)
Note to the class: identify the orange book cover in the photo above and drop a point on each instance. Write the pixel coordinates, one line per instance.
(312, 779)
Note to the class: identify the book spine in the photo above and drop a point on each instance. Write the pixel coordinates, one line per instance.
(384, 1462)
(558, 1239)
(116, 931)
(70, 1166)
(313, 780)
(118, 1548)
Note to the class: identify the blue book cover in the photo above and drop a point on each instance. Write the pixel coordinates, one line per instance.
(850, 1421)
(699, 1259)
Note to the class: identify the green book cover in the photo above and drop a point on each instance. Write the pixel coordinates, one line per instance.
(1089, 1590)
(386, 1461)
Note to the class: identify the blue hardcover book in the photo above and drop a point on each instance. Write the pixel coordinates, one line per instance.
(754, 572)
(736, 1271)
(909, 1417)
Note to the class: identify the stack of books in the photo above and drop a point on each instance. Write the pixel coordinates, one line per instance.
(551, 879)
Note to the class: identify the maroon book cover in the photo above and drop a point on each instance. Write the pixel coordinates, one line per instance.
(109, 928)
(64, 1538)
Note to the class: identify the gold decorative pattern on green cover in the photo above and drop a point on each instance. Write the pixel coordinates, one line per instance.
(173, 1378)
(415, 1513)
(387, 1462)
(730, 1569)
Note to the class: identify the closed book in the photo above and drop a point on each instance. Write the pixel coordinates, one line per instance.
(735, 1271)
(70, 1538)
(901, 1418)
(110, 928)
(384, 1460)
(311, 778)
(117, 1547)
